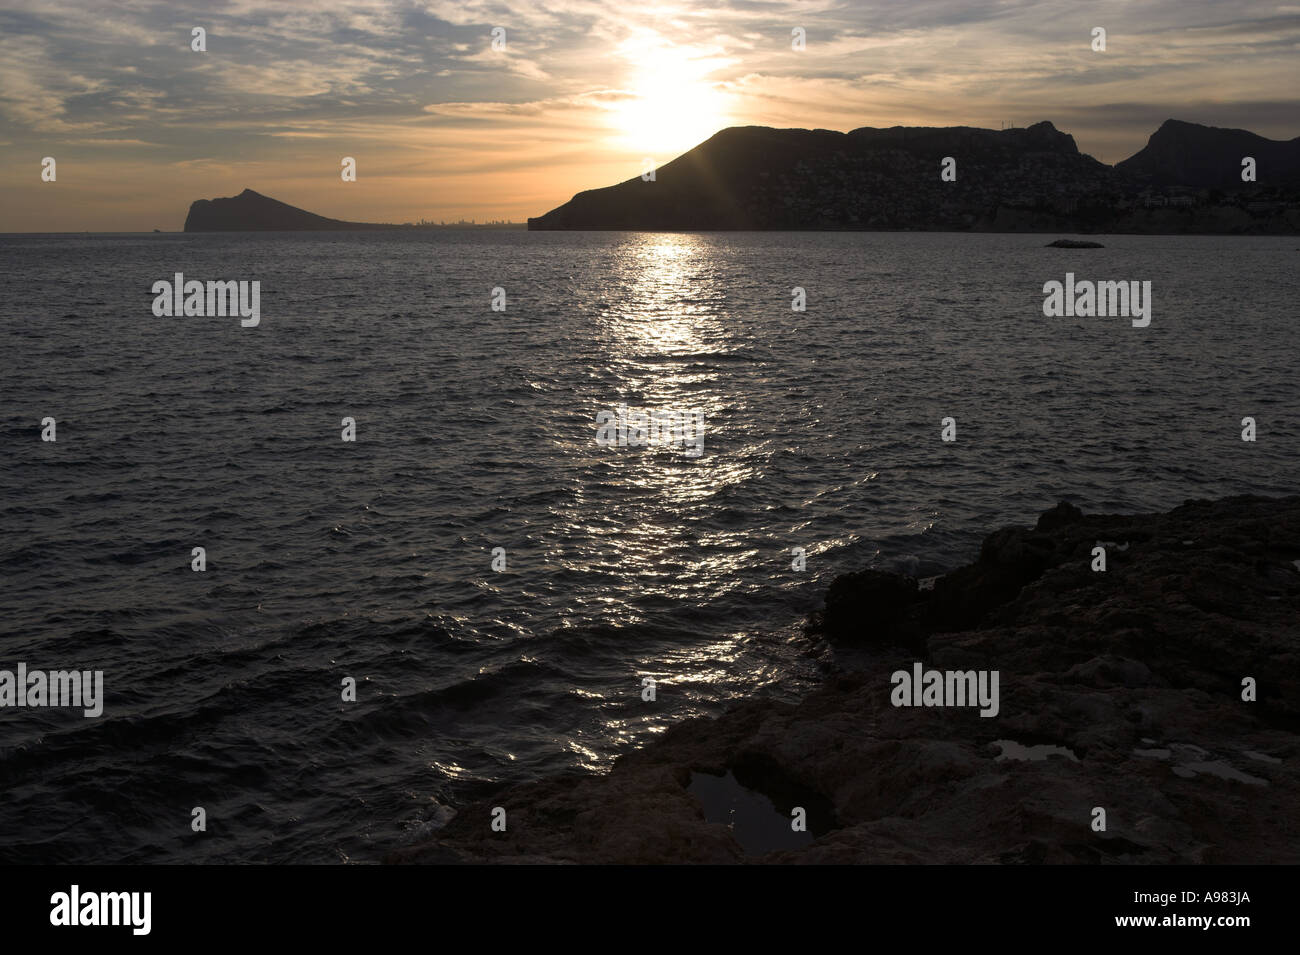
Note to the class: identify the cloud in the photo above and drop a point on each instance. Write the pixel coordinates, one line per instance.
(416, 83)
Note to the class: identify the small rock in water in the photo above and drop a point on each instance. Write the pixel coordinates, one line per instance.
(1074, 244)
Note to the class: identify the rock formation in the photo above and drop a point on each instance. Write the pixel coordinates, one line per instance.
(253, 212)
(1121, 689)
(1186, 180)
(1189, 154)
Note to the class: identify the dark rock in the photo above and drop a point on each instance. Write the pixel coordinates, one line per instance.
(1189, 154)
(253, 212)
(1060, 515)
(868, 606)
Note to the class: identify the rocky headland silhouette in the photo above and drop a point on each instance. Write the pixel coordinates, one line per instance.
(1187, 179)
(253, 212)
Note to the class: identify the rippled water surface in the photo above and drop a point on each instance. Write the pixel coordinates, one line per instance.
(476, 430)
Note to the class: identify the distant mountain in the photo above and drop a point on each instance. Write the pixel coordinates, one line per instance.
(755, 177)
(1032, 179)
(1188, 154)
(253, 212)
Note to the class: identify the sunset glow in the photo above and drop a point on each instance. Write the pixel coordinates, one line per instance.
(672, 105)
(445, 123)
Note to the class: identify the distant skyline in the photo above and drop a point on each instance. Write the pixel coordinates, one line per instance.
(444, 126)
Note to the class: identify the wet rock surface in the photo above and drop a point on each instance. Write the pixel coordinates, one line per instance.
(1119, 689)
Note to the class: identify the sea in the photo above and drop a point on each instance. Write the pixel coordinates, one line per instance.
(478, 588)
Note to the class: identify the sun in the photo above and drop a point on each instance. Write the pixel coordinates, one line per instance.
(671, 105)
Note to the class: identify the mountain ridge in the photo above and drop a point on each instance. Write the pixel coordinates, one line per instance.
(1207, 156)
(1021, 179)
(1186, 179)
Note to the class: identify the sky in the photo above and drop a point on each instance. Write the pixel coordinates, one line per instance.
(444, 126)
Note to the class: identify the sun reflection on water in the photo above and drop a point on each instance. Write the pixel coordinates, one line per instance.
(669, 346)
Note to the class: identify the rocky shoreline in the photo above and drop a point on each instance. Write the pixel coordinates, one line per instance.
(1120, 690)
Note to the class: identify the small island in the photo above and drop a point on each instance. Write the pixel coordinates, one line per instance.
(253, 212)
